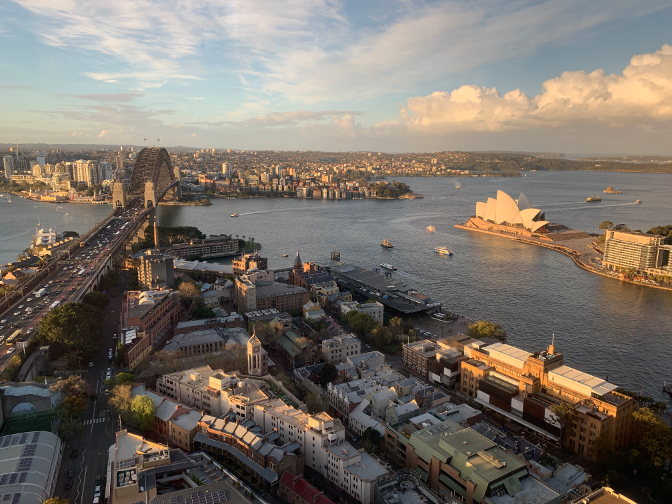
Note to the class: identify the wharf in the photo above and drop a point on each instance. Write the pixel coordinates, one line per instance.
(384, 288)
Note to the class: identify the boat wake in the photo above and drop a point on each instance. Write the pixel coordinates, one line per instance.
(586, 207)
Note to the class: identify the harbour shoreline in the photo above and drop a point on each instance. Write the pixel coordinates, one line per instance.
(574, 254)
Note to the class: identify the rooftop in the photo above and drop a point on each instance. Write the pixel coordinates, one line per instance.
(508, 354)
(580, 382)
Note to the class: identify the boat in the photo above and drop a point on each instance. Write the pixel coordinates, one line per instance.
(611, 190)
(284, 255)
(235, 215)
(431, 229)
(593, 199)
(639, 201)
(388, 266)
(458, 186)
(443, 251)
(386, 244)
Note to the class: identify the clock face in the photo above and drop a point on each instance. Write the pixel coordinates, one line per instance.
(256, 349)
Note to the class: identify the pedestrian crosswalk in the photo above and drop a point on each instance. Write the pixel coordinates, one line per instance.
(94, 421)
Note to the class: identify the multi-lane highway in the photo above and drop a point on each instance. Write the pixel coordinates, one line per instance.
(66, 283)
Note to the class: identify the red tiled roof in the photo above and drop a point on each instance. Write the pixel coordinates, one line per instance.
(308, 492)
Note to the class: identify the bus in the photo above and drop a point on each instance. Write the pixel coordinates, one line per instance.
(55, 304)
(40, 292)
(10, 341)
(81, 272)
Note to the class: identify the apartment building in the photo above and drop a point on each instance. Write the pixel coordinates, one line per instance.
(524, 386)
(452, 459)
(416, 357)
(264, 457)
(252, 295)
(156, 271)
(322, 439)
(338, 349)
(211, 391)
(214, 246)
(636, 250)
(146, 319)
(375, 310)
(246, 262)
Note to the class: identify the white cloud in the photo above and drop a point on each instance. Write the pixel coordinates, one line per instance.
(295, 116)
(642, 95)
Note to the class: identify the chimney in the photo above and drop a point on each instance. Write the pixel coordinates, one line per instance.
(156, 235)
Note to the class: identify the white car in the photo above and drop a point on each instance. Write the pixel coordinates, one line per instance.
(91, 364)
(17, 313)
(29, 299)
(11, 350)
(20, 306)
(3, 321)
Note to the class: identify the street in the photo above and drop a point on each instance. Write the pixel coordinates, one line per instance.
(99, 425)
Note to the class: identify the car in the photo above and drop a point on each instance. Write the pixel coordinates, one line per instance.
(17, 313)
(91, 364)
(24, 317)
(3, 321)
(115, 336)
(71, 473)
(2, 327)
(68, 484)
(20, 307)
(31, 330)
(29, 299)
(11, 350)
(51, 281)
(99, 479)
(74, 453)
(353, 438)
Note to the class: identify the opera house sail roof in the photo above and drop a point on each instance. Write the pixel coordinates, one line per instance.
(506, 211)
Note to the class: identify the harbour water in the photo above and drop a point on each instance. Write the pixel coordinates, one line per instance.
(602, 326)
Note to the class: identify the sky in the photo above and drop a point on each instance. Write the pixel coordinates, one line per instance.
(379, 75)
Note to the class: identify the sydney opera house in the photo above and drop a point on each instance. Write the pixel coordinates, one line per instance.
(506, 215)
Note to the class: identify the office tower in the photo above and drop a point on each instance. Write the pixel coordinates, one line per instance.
(9, 165)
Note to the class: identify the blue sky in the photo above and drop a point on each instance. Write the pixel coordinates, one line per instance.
(392, 75)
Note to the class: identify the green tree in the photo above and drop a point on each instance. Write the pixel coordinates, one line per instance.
(360, 323)
(97, 299)
(70, 234)
(81, 188)
(72, 326)
(603, 449)
(120, 400)
(144, 410)
(565, 414)
(111, 279)
(313, 403)
(188, 291)
(484, 329)
(121, 353)
(70, 430)
(328, 374)
(606, 224)
(653, 436)
(371, 439)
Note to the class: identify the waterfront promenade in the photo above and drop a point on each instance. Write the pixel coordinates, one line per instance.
(579, 248)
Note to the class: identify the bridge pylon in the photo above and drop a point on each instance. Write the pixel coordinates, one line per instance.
(119, 199)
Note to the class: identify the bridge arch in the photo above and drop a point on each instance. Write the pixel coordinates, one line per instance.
(153, 177)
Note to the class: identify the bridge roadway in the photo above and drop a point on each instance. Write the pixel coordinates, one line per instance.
(64, 283)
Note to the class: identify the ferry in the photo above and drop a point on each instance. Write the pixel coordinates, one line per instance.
(284, 255)
(611, 190)
(388, 266)
(443, 251)
(386, 244)
(593, 199)
(235, 215)
(431, 229)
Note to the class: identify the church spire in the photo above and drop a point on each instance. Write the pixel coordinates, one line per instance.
(298, 264)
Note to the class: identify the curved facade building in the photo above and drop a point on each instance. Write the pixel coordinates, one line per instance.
(506, 211)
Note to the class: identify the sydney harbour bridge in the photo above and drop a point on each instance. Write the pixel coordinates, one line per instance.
(154, 179)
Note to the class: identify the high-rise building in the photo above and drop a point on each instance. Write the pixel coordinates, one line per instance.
(9, 166)
(226, 170)
(638, 251)
(42, 158)
(105, 171)
(156, 271)
(22, 167)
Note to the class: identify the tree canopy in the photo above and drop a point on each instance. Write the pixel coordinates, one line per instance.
(144, 410)
(328, 374)
(361, 323)
(484, 329)
(371, 439)
(72, 327)
(97, 299)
